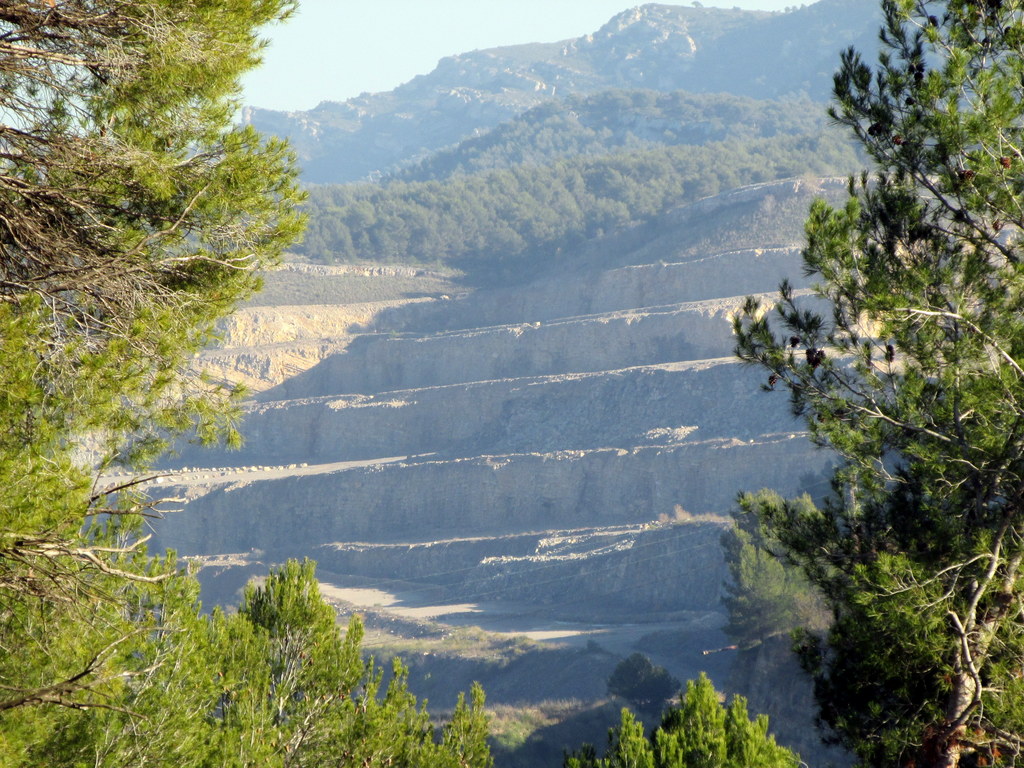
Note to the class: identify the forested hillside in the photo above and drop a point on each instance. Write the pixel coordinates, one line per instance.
(619, 120)
(528, 215)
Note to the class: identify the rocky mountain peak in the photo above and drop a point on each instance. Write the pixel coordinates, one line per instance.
(668, 20)
(621, 21)
(644, 28)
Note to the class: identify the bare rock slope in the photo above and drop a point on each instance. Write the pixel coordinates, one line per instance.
(558, 455)
(601, 397)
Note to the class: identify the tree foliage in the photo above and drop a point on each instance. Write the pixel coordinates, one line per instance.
(617, 120)
(765, 596)
(133, 213)
(914, 376)
(698, 733)
(527, 215)
(640, 682)
(275, 684)
(314, 701)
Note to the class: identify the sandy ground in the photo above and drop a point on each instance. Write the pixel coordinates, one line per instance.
(505, 618)
(499, 618)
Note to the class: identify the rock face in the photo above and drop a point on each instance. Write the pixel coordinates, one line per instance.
(468, 426)
(657, 47)
(264, 346)
(482, 496)
(584, 562)
(568, 448)
(775, 685)
(301, 319)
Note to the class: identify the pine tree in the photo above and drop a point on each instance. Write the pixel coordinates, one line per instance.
(276, 684)
(642, 683)
(698, 733)
(764, 596)
(133, 214)
(628, 747)
(909, 366)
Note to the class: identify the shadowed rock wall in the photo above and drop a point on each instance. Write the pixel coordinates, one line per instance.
(485, 495)
(597, 396)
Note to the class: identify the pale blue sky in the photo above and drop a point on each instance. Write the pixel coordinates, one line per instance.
(336, 49)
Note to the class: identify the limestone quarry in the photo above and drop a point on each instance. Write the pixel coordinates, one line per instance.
(559, 454)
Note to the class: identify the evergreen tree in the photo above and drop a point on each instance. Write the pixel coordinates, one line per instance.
(628, 747)
(914, 377)
(316, 702)
(699, 733)
(133, 213)
(274, 685)
(765, 596)
(640, 682)
(529, 214)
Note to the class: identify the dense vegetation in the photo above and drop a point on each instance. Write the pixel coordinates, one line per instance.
(133, 214)
(698, 733)
(274, 684)
(617, 121)
(765, 596)
(524, 216)
(914, 377)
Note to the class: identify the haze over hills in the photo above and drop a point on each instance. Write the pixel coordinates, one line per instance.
(496, 388)
(653, 47)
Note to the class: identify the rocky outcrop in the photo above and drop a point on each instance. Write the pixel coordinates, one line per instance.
(769, 675)
(259, 326)
(307, 313)
(625, 408)
(590, 565)
(382, 362)
(261, 347)
(258, 368)
(662, 284)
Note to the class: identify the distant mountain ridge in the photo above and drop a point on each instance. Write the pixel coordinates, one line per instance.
(653, 47)
(616, 121)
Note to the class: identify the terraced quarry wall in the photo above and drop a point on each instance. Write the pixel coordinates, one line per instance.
(426, 500)
(568, 447)
(588, 399)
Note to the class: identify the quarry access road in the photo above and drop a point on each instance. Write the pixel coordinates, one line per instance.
(207, 476)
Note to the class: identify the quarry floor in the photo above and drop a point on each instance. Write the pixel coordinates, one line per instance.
(506, 618)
